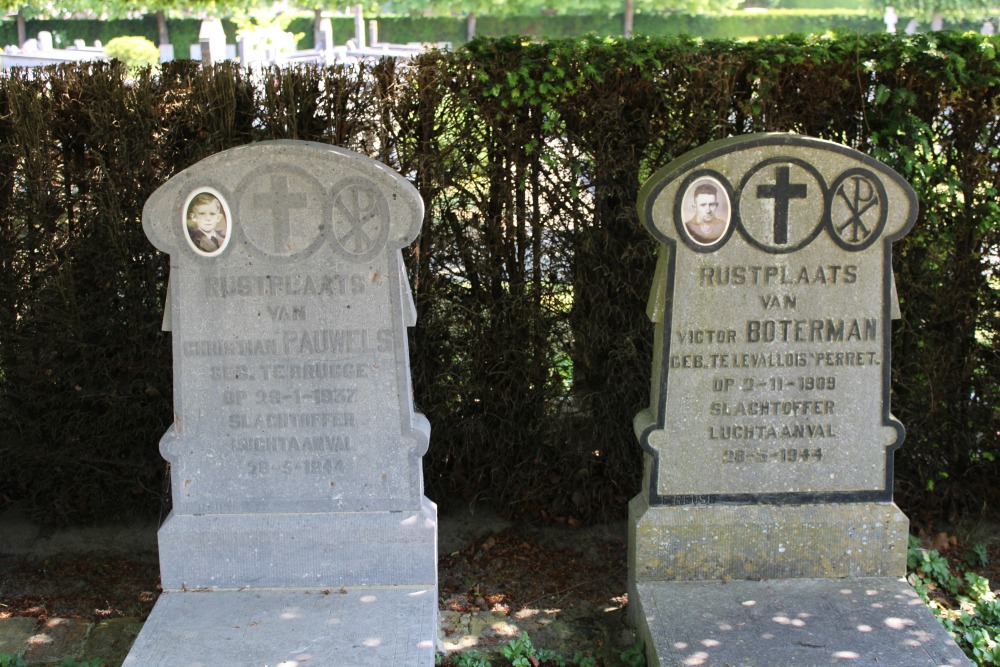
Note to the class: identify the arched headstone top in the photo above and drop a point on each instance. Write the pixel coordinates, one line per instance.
(343, 201)
(778, 193)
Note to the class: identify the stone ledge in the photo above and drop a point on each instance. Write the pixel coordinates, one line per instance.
(15, 633)
(362, 627)
(55, 639)
(714, 542)
(790, 622)
(111, 640)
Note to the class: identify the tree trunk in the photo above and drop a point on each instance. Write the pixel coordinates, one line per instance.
(161, 28)
(22, 30)
(629, 17)
(470, 27)
(318, 40)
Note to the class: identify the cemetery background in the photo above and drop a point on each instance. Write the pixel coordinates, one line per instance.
(532, 346)
(457, 21)
(453, 30)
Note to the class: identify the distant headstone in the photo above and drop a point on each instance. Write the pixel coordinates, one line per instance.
(295, 452)
(359, 26)
(324, 39)
(890, 19)
(911, 27)
(769, 440)
(212, 41)
(988, 28)
(166, 52)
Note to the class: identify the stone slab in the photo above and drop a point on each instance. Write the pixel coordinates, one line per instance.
(792, 622)
(299, 550)
(370, 627)
(55, 639)
(14, 634)
(110, 640)
(705, 542)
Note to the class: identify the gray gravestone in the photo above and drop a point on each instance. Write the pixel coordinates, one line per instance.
(212, 41)
(768, 443)
(295, 453)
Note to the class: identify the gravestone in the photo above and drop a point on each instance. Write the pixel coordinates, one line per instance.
(211, 41)
(890, 19)
(765, 532)
(359, 27)
(299, 529)
(324, 36)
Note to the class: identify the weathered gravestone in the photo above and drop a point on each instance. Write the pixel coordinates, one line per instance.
(299, 529)
(765, 533)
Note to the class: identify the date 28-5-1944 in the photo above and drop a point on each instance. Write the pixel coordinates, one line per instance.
(784, 455)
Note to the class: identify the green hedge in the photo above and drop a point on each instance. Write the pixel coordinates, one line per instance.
(532, 349)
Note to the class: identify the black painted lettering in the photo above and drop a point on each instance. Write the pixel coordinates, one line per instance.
(811, 331)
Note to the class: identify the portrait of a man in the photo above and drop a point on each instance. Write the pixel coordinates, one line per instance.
(207, 223)
(708, 211)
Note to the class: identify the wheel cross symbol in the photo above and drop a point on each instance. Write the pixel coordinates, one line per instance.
(361, 220)
(860, 196)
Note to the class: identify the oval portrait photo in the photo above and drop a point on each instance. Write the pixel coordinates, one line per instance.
(206, 221)
(706, 210)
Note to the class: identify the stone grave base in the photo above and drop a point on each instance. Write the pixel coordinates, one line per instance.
(790, 622)
(709, 542)
(299, 550)
(361, 627)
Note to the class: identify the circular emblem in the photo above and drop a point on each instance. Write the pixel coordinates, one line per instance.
(703, 211)
(207, 222)
(360, 219)
(858, 209)
(281, 210)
